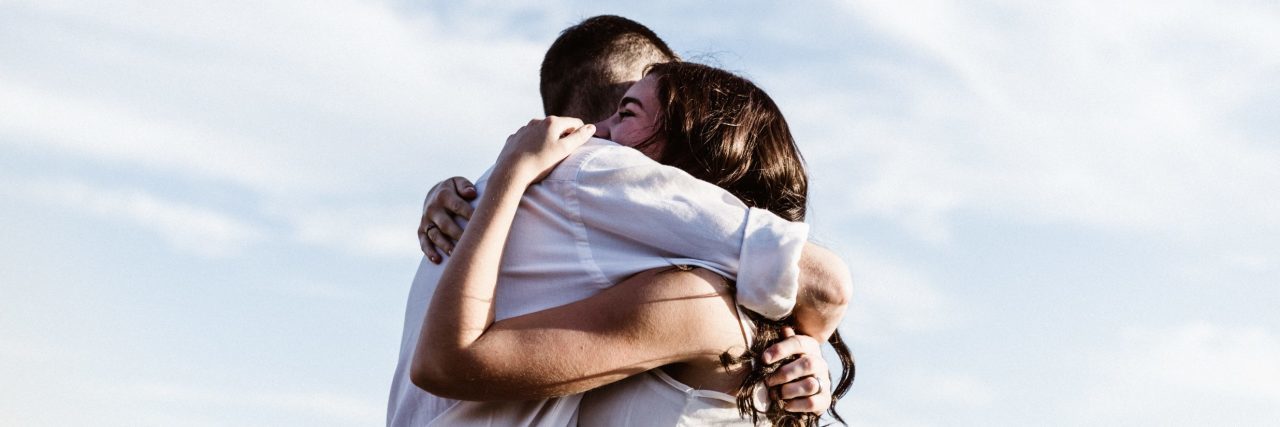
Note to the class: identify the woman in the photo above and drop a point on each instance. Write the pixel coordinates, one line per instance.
(715, 126)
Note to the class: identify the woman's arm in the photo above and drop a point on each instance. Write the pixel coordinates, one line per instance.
(462, 306)
(653, 319)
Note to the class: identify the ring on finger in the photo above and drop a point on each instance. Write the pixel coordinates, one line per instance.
(820, 385)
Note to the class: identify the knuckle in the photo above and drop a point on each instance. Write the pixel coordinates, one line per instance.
(810, 385)
(458, 205)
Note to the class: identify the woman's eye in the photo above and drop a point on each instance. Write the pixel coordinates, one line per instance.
(625, 113)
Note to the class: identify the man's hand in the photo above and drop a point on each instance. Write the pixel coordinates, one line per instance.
(440, 228)
(804, 385)
(825, 291)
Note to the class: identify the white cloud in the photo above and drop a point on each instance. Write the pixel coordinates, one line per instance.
(335, 408)
(304, 105)
(1192, 374)
(920, 398)
(952, 389)
(287, 98)
(37, 118)
(191, 228)
(1123, 116)
(386, 232)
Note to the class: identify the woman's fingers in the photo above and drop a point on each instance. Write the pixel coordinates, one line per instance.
(534, 150)
(817, 403)
(806, 365)
(579, 136)
(799, 383)
(792, 345)
(809, 361)
(803, 387)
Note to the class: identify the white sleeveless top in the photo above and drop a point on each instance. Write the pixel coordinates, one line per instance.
(654, 399)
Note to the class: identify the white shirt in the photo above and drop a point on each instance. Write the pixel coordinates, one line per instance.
(606, 213)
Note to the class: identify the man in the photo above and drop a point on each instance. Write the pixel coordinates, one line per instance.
(584, 73)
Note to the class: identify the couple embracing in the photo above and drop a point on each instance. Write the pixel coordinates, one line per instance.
(645, 268)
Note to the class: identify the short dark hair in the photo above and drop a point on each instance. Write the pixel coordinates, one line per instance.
(579, 76)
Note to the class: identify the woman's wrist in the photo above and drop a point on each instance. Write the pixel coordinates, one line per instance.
(514, 173)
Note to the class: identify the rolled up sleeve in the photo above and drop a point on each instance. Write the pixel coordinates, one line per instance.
(625, 199)
(768, 269)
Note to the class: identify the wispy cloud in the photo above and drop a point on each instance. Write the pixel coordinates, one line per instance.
(286, 98)
(319, 404)
(367, 231)
(195, 229)
(1113, 117)
(1191, 374)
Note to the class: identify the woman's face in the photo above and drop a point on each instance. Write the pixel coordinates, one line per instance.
(636, 118)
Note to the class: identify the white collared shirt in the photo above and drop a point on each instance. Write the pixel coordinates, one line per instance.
(605, 213)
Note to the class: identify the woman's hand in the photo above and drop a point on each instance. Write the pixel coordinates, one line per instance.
(804, 385)
(539, 146)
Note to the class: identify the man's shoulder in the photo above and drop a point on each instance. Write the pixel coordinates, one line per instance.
(599, 155)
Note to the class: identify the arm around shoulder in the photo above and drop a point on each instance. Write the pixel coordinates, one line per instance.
(652, 319)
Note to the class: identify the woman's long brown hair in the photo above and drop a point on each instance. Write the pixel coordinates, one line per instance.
(723, 129)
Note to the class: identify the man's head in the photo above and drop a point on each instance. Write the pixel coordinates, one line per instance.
(590, 66)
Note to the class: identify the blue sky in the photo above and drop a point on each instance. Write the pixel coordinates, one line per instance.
(1055, 214)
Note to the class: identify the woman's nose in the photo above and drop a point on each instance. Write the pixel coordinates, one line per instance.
(602, 129)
